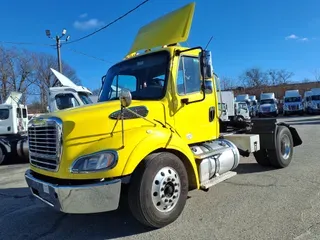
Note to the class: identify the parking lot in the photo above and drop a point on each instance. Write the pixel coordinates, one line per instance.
(258, 203)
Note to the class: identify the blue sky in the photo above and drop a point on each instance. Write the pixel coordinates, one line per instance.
(249, 33)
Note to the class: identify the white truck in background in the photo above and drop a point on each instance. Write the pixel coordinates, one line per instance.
(307, 102)
(268, 105)
(292, 103)
(315, 101)
(13, 125)
(14, 115)
(242, 106)
(254, 106)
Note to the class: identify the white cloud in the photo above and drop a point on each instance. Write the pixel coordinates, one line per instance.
(292, 36)
(295, 37)
(89, 24)
(83, 15)
(304, 39)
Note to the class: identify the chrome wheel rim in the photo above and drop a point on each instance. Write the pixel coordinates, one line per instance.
(166, 189)
(285, 146)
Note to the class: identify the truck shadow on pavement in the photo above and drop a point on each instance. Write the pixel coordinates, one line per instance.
(247, 168)
(24, 217)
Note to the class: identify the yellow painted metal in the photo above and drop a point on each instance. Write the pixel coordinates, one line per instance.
(87, 129)
(169, 29)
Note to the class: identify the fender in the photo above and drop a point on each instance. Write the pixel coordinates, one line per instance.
(160, 140)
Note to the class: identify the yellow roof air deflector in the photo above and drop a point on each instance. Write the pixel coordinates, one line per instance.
(173, 27)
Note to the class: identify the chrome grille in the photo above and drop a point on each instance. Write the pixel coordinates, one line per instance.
(44, 136)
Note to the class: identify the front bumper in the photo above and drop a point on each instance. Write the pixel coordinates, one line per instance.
(88, 198)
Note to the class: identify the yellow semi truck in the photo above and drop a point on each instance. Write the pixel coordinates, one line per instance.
(153, 136)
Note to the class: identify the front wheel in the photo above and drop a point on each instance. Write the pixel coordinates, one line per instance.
(158, 190)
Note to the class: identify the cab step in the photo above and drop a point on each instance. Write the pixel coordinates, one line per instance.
(213, 181)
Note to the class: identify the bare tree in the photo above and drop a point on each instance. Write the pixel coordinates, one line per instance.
(284, 76)
(226, 83)
(316, 73)
(29, 73)
(254, 77)
(277, 77)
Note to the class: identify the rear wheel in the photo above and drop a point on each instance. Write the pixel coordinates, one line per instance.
(281, 156)
(158, 190)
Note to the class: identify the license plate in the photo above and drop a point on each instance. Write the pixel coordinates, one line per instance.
(45, 188)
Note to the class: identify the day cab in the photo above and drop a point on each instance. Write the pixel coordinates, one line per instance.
(153, 135)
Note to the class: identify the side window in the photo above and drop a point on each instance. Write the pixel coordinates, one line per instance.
(24, 113)
(18, 112)
(123, 81)
(4, 114)
(65, 101)
(189, 77)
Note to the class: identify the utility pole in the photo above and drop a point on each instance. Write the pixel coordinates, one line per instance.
(58, 40)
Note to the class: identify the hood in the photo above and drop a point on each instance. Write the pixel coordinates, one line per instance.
(98, 120)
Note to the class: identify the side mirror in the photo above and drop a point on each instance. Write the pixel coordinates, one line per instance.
(206, 64)
(125, 97)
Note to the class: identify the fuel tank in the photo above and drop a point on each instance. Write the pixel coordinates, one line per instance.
(215, 158)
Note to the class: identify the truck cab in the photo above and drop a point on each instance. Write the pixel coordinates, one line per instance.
(154, 140)
(268, 105)
(13, 124)
(292, 103)
(69, 95)
(242, 106)
(315, 101)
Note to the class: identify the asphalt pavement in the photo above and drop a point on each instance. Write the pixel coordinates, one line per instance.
(258, 203)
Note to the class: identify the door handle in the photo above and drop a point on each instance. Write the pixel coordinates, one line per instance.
(211, 113)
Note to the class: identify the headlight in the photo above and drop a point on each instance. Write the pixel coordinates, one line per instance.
(95, 162)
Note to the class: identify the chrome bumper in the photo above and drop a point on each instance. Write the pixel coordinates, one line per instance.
(89, 198)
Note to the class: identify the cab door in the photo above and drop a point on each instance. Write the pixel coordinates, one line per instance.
(195, 122)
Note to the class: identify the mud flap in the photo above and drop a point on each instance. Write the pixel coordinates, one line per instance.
(297, 141)
(267, 129)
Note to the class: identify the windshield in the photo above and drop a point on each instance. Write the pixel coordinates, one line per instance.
(144, 76)
(292, 99)
(243, 105)
(85, 98)
(315, 97)
(4, 114)
(267, 101)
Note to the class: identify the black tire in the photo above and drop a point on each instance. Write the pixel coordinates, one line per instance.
(2, 156)
(262, 158)
(277, 156)
(148, 185)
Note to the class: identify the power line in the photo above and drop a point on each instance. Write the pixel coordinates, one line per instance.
(114, 21)
(49, 45)
(82, 53)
